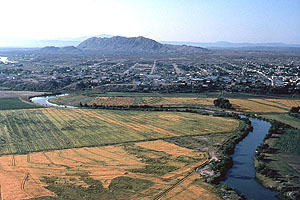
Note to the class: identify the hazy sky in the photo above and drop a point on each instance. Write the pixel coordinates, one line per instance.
(162, 20)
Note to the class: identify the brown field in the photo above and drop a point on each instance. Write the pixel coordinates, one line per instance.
(151, 101)
(71, 99)
(11, 94)
(257, 105)
(260, 105)
(21, 176)
(286, 102)
(112, 101)
(192, 188)
(264, 105)
(155, 101)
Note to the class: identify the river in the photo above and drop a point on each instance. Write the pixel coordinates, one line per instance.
(241, 177)
(44, 101)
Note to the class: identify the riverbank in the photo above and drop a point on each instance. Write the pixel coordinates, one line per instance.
(221, 161)
(219, 148)
(277, 160)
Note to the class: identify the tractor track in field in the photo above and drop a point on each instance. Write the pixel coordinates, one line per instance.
(160, 195)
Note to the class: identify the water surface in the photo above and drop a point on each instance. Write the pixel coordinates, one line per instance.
(241, 177)
(44, 101)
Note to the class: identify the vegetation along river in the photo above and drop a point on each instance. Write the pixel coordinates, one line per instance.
(241, 176)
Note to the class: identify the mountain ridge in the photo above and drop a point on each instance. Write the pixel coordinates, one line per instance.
(139, 44)
(225, 44)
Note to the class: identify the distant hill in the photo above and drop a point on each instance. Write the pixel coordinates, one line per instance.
(224, 44)
(118, 44)
(53, 49)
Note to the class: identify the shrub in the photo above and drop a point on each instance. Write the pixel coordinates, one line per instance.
(223, 103)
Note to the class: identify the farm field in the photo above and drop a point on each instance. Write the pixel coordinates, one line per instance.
(11, 94)
(31, 130)
(151, 101)
(156, 101)
(285, 118)
(113, 101)
(15, 103)
(257, 105)
(284, 159)
(142, 170)
(71, 100)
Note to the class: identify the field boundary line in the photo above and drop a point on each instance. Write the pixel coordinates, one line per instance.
(47, 157)
(179, 182)
(24, 181)
(28, 157)
(13, 160)
(26, 177)
(173, 186)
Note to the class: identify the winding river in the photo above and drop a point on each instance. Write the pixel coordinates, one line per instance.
(241, 176)
(44, 101)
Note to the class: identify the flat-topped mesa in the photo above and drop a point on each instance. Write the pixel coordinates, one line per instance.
(118, 44)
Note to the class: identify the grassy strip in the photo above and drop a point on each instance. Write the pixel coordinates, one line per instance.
(121, 186)
(15, 103)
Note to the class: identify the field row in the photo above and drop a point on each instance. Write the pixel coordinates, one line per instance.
(23, 131)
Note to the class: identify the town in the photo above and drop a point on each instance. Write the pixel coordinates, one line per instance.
(258, 72)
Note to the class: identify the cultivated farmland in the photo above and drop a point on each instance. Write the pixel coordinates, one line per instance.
(113, 101)
(155, 101)
(16, 103)
(285, 118)
(11, 94)
(258, 105)
(144, 170)
(31, 130)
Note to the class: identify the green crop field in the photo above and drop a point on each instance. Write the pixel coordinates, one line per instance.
(15, 103)
(288, 142)
(23, 131)
(285, 118)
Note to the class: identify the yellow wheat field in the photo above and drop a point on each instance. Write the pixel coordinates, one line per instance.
(22, 175)
(255, 105)
(286, 102)
(113, 101)
(155, 101)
